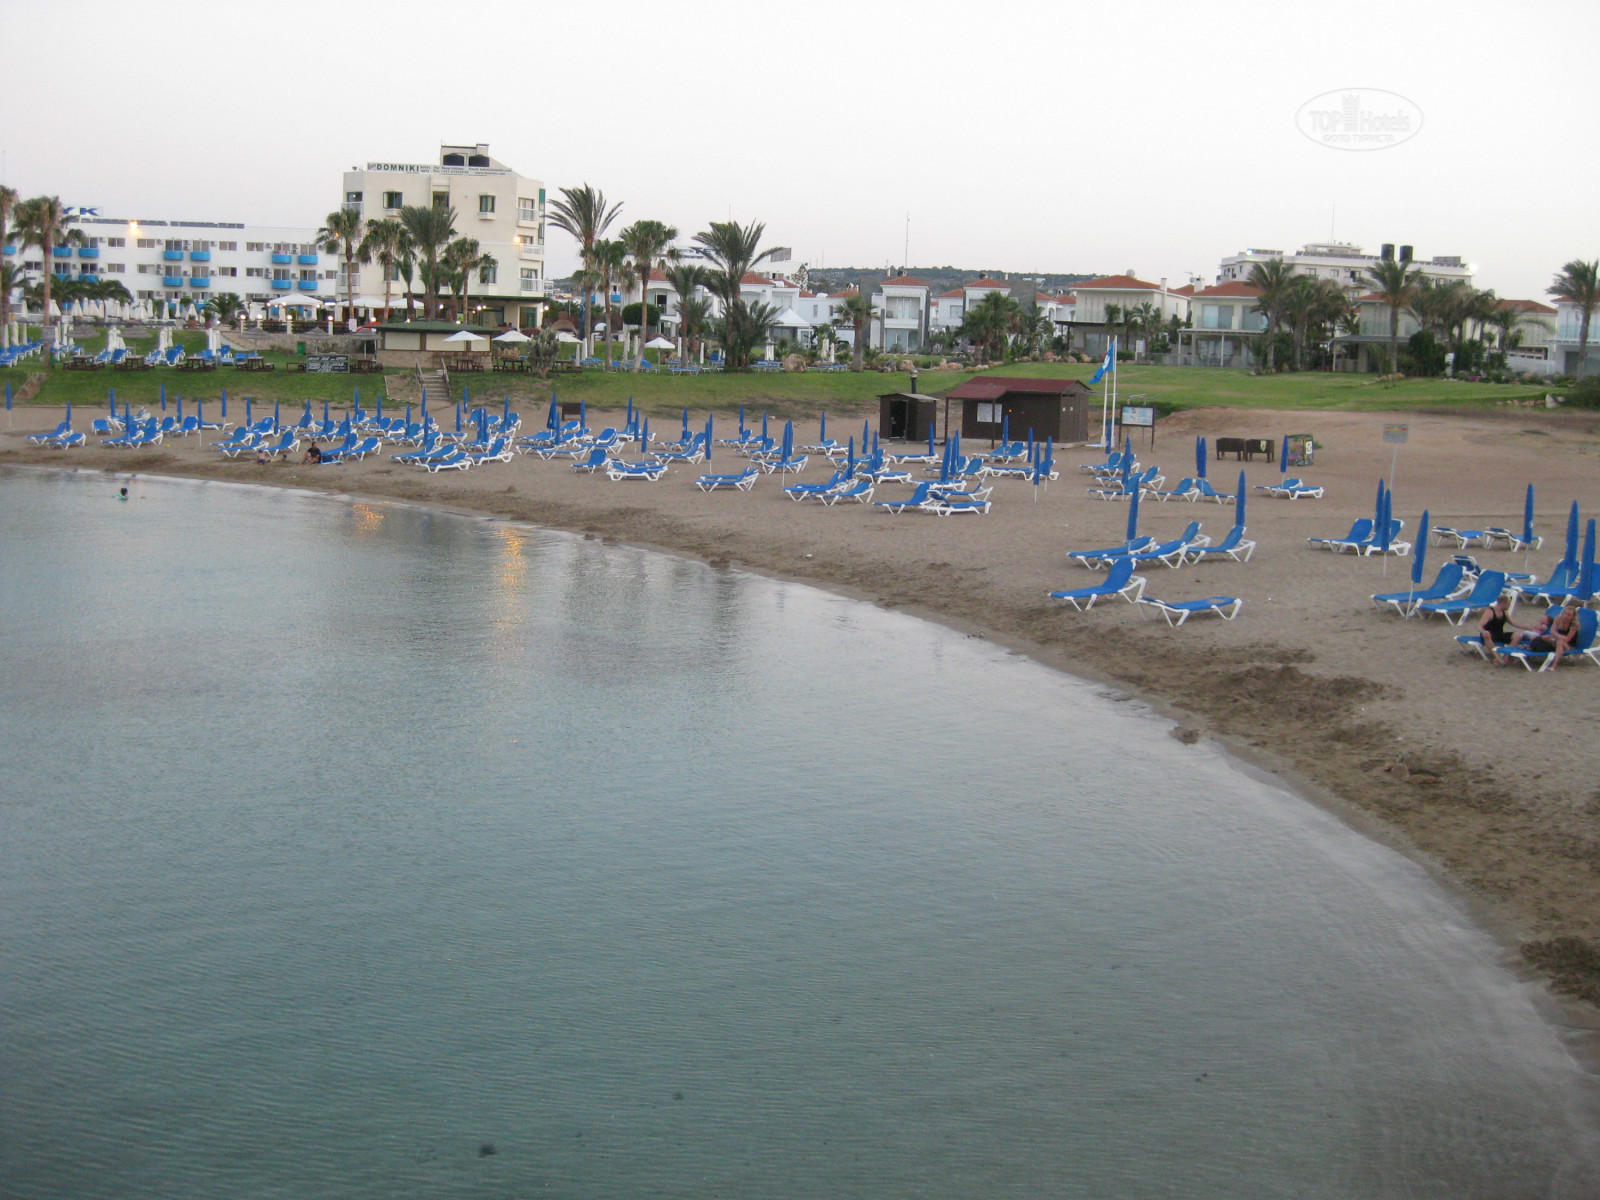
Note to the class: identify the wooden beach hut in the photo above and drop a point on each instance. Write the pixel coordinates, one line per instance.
(1053, 408)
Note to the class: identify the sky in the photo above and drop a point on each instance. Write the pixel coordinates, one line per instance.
(1011, 135)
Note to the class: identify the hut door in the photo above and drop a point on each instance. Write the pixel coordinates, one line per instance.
(899, 416)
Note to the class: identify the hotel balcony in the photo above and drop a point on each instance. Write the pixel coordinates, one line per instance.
(200, 281)
(308, 285)
(172, 281)
(62, 251)
(280, 285)
(307, 260)
(282, 260)
(88, 279)
(88, 251)
(199, 256)
(172, 255)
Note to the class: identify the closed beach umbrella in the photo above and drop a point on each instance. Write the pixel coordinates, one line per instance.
(822, 432)
(644, 436)
(1133, 516)
(865, 438)
(788, 440)
(930, 433)
(248, 419)
(1586, 571)
(1571, 555)
(741, 422)
(163, 397)
(1419, 552)
(1385, 507)
(1527, 516)
(180, 410)
(325, 417)
(1377, 506)
(69, 414)
(8, 395)
(380, 406)
(1005, 429)
(628, 424)
(111, 401)
(274, 412)
(1283, 456)
(458, 416)
(1030, 443)
(1127, 463)
(763, 427)
(1200, 457)
(710, 418)
(684, 437)
(850, 450)
(876, 453)
(1238, 503)
(553, 421)
(583, 416)
(306, 416)
(224, 404)
(505, 414)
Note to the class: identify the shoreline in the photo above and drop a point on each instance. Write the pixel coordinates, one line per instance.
(1265, 698)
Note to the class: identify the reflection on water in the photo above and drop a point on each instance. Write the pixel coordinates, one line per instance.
(339, 840)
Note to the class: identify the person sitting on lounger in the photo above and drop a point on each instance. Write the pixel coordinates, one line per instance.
(1498, 629)
(1556, 632)
(313, 453)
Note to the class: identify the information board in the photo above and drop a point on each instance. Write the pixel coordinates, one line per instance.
(1396, 433)
(1138, 416)
(328, 364)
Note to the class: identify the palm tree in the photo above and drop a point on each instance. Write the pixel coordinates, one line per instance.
(732, 249)
(991, 322)
(1034, 329)
(610, 264)
(431, 229)
(694, 316)
(343, 232)
(460, 259)
(1274, 279)
(1579, 283)
(1396, 284)
(385, 242)
(224, 307)
(857, 313)
(582, 212)
(10, 280)
(8, 205)
(685, 279)
(649, 243)
(43, 222)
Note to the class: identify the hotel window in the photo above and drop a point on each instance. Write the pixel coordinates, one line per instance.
(147, 243)
(330, 274)
(230, 272)
(116, 268)
(255, 245)
(199, 245)
(116, 243)
(227, 245)
(147, 268)
(529, 278)
(255, 272)
(393, 200)
(489, 272)
(352, 197)
(486, 204)
(527, 210)
(308, 276)
(147, 295)
(280, 272)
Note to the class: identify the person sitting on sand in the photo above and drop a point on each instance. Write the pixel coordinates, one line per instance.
(261, 457)
(1496, 629)
(313, 453)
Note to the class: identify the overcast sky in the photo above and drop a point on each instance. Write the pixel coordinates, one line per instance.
(1019, 136)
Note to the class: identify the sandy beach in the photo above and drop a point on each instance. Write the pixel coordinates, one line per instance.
(1485, 775)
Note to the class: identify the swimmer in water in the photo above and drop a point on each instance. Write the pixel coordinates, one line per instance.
(123, 494)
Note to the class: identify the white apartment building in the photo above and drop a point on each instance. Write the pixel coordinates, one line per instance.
(190, 261)
(1344, 263)
(502, 210)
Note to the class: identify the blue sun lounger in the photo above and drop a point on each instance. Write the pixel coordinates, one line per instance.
(1178, 611)
(1445, 585)
(1360, 531)
(1207, 492)
(1562, 583)
(743, 481)
(1485, 592)
(1582, 646)
(1120, 581)
(805, 491)
(1234, 546)
(1186, 490)
(650, 471)
(1096, 559)
(860, 491)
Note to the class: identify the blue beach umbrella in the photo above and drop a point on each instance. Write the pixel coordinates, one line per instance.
(1377, 506)
(1127, 464)
(1419, 552)
(788, 440)
(628, 424)
(111, 401)
(553, 421)
(483, 424)
(1571, 555)
(710, 429)
(180, 410)
(1527, 517)
(8, 395)
(763, 427)
(1049, 456)
(930, 436)
(69, 414)
(306, 416)
(583, 416)
(274, 412)
(1200, 457)
(875, 450)
(1385, 507)
(200, 414)
(248, 419)
(1031, 450)
(163, 397)
(1283, 456)
(325, 416)
(224, 404)
(458, 414)
(1238, 502)
(851, 452)
(822, 433)
(865, 439)
(1586, 570)
(1005, 429)
(1133, 516)
(741, 422)
(685, 435)
(408, 413)
(644, 436)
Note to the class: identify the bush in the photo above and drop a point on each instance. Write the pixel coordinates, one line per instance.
(1586, 394)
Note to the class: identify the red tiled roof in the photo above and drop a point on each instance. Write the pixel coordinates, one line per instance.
(953, 294)
(757, 280)
(1186, 290)
(992, 387)
(1119, 283)
(804, 295)
(986, 282)
(844, 295)
(1231, 288)
(905, 281)
(1525, 306)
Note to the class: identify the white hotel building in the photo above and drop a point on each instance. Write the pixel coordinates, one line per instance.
(503, 210)
(190, 261)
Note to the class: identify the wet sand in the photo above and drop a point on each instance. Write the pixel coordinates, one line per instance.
(1488, 776)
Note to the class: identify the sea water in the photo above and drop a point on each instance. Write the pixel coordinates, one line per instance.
(353, 849)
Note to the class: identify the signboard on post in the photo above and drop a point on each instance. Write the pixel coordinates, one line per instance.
(328, 364)
(1396, 433)
(1138, 416)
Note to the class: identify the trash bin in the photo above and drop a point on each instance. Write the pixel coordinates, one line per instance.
(300, 349)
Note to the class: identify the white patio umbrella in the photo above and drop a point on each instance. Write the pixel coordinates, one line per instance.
(114, 340)
(660, 343)
(513, 336)
(164, 338)
(214, 339)
(466, 335)
(576, 341)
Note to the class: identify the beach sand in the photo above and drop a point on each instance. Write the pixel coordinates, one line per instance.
(1487, 776)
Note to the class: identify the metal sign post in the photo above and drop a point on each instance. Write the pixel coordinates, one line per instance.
(1137, 416)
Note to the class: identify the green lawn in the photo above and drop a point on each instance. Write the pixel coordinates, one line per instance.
(782, 395)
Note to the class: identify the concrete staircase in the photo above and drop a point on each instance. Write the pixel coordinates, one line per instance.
(434, 382)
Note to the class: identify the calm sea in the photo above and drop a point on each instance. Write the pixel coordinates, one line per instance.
(341, 843)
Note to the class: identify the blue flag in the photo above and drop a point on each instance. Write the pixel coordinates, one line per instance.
(1109, 364)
